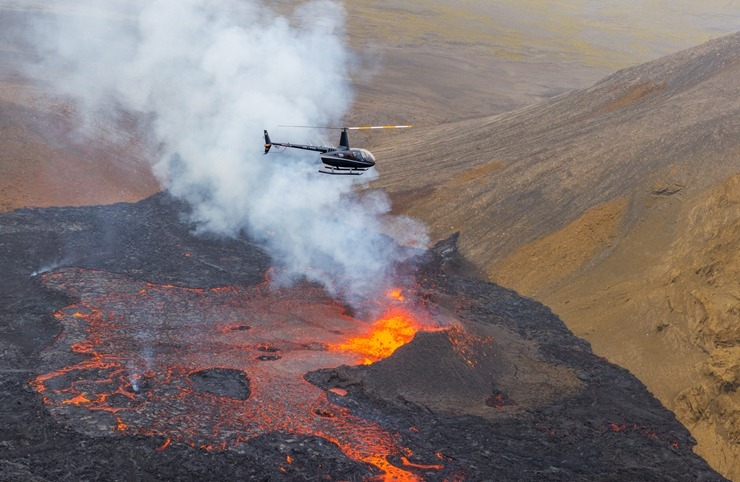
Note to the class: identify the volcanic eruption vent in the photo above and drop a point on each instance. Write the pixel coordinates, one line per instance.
(209, 77)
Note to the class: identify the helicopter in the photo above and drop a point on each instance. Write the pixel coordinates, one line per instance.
(339, 160)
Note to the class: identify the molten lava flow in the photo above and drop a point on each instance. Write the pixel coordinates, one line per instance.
(396, 294)
(408, 463)
(383, 338)
(214, 368)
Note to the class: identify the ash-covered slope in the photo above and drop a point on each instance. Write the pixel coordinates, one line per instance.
(616, 206)
(51, 155)
(40, 166)
(504, 392)
(665, 126)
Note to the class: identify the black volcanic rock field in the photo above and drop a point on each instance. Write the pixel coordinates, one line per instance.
(135, 350)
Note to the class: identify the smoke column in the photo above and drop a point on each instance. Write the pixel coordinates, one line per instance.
(210, 76)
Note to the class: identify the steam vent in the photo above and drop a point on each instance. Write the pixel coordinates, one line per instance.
(134, 349)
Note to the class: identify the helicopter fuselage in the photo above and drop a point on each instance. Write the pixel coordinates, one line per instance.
(348, 158)
(341, 159)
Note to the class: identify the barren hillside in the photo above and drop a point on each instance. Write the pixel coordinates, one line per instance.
(47, 157)
(417, 62)
(616, 205)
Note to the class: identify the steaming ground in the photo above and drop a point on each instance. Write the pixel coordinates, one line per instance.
(209, 79)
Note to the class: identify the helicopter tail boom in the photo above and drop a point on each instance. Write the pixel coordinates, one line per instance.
(269, 144)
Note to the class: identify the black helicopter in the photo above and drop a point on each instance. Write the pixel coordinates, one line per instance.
(340, 160)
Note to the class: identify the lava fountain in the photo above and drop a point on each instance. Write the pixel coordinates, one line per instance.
(216, 367)
(384, 336)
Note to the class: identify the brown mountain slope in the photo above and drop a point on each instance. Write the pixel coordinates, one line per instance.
(446, 60)
(418, 61)
(46, 159)
(616, 206)
(40, 166)
(666, 304)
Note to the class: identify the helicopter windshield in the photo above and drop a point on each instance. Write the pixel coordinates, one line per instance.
(366, 155)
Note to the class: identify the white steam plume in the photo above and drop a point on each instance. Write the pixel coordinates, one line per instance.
(211, 76)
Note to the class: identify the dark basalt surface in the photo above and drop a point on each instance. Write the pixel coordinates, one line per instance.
(224, 382)
(533, 403)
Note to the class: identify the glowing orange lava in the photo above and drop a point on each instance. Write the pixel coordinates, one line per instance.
(408, 463)
(120, 425)
(396, 294)
(143, 343)
(384, 337)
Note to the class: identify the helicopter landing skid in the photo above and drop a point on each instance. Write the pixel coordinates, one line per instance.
(342, 171)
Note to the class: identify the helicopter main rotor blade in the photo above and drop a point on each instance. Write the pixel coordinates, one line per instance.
(377, 127)
(351, 128)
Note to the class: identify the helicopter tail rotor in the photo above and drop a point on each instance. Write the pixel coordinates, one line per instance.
(268, 142)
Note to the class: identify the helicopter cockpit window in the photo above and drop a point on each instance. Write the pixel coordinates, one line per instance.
(367, 155)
